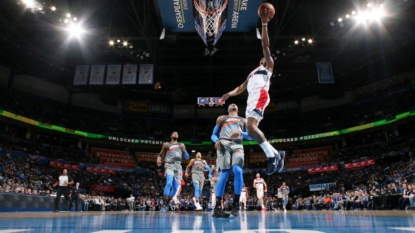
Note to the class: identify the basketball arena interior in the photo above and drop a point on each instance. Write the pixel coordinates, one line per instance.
(101, 88)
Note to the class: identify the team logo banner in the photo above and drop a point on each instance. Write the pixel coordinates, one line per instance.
(146, 74)
(113, 74)
(177, 15)
(97, 75)
(129, 75)
(325, 73)
(242, 15)
(81, 75)
(359, 164)
(323, 169)
(318, 187)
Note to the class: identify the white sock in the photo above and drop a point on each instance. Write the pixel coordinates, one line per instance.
(267, 148)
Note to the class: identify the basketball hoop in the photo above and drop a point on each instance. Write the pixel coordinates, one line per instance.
(210, 14)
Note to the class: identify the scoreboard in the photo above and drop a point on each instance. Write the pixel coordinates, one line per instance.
(209, 101)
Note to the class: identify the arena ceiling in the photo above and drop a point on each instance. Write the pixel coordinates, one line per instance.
(34, 43)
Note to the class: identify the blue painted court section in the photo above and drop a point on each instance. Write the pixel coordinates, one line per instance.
(247, 222)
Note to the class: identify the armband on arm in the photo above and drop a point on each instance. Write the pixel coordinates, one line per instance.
(186, 155)
(215, 134)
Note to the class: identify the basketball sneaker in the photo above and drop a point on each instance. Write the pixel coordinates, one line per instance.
(263, 208)
(235, 211)
(217, 213)
(280, 164)
(272, 165)
(198, 206)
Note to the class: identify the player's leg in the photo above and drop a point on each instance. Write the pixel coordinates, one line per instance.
(168, 188)
(237, 163)
(223, 163)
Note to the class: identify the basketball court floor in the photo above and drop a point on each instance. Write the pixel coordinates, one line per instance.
(202, 222)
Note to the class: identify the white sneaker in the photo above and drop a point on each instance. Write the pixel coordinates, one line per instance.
(285, 211)
(198, 206)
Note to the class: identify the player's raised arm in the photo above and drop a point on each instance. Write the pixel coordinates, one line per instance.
(238, 90)
(265, 18)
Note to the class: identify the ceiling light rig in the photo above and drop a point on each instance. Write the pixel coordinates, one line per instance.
(303, 42)
(124, 44)
(366, 14)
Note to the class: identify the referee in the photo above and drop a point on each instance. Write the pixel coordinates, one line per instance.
(64, 181)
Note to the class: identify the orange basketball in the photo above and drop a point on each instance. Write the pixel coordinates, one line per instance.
(267, 6)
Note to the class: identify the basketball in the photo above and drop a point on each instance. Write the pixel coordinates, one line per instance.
(267, 6)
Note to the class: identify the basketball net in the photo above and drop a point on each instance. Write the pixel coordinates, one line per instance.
(210, 14)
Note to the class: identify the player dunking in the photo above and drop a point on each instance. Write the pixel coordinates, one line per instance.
(261, 188)
(198, 166)
(227, 136)
(173, 152)
(257, 85)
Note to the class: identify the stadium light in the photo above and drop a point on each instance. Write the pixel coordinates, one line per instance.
(75, 30)
(40, 8)
(347, 16)
(340, 19)
(66, 21)
(53, 8)
(303, 39)
(353, 12)
(125, 43)
(296, 42)
(310, 41)
(111, 42)
(376, 14)
(29, 3)
(369, 5)
(68, 15)
(75, 19)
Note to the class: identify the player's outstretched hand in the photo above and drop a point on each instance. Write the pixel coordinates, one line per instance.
(265, 16)
(225, 97)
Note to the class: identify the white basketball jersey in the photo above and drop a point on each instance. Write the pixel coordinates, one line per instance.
(259, 183)
(259, 79)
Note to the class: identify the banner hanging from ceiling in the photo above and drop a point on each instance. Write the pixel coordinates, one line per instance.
(177, 15)
(97, 75)
(81, 75)
(146, 74)
(129, 74)
(242, 15)
(113, 74)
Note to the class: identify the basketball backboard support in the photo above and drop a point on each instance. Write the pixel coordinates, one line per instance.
(209, 18)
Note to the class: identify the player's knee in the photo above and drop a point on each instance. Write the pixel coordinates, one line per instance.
(251, 128)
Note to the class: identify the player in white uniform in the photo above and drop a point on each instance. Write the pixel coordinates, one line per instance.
(243, 197)
(257, 85)
(261, 188)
